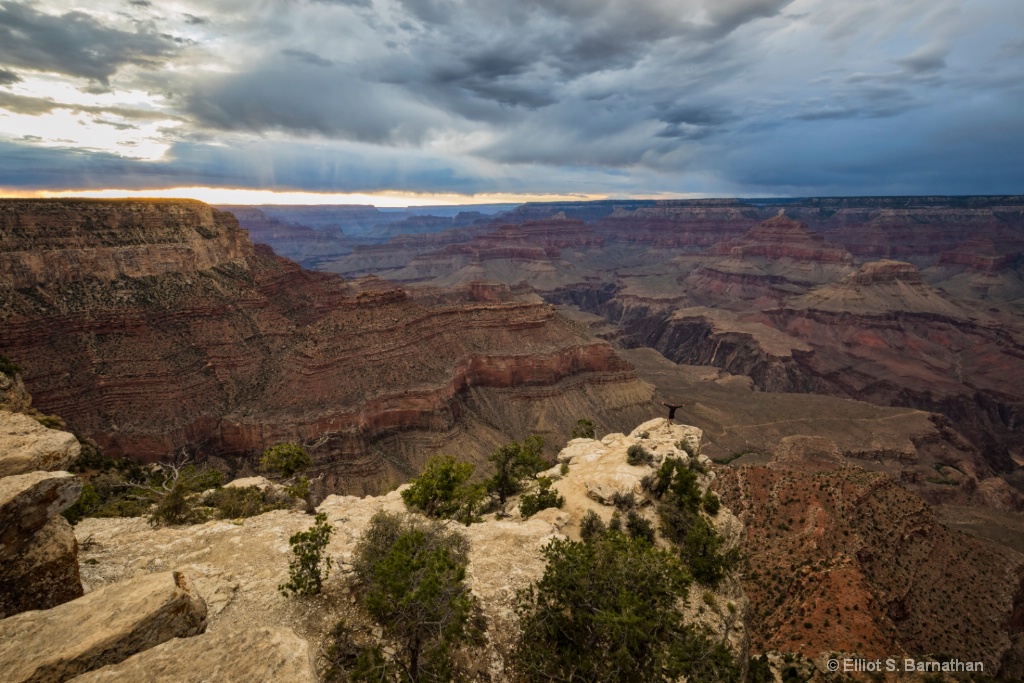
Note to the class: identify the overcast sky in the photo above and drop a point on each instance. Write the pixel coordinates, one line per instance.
(527, 97)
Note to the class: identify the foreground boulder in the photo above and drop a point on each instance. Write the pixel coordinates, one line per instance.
(44, 574)
(27, 446)
(28, 501)
(256, 655)
(104, 627)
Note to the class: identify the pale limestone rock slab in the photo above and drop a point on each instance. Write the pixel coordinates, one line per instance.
(257, 655)
(261, 483)
(44, 574)
(27, 446)
(28, 501)
(104, 627)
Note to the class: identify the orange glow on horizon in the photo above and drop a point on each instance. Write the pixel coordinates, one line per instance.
(214, 195)
(384, 199)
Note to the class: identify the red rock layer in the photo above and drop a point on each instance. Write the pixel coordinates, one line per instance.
(838, 559)
(783, 237)
(51, 241)
(254, 350)
(668, 225)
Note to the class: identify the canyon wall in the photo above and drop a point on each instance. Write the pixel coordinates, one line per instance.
(226, 349)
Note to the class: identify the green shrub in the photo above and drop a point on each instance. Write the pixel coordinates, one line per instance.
(711, 503)
(51, 422)
(639, 527)
(308, 569)
(286, 459)
(170, 489)
(531, 504)
(701, 550)
(413, 578)
(513, 463)
(564, 469)
(248, 501)
(623, 501)
(9, 367)
(591, 526)
(679, 510)
(638, 455)
(607, 610)
(88, 501)
(584, 429)
(442, 490)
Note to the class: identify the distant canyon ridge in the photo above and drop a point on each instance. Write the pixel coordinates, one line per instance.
(379, 338)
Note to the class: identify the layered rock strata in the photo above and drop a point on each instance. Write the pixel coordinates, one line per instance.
(237, 349)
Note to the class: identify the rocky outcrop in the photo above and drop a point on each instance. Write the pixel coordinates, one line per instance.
(27, 502)
(27, 446)
(38, 550)
(13, 395)
(44, 573)
(104, 627)
(260, 655)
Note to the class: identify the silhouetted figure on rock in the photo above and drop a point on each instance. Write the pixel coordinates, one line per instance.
(672, 409)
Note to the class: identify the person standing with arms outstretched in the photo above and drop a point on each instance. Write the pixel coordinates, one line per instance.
(672, 409)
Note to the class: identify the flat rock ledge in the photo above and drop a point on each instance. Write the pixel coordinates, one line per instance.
(104, 627)
(256, 655)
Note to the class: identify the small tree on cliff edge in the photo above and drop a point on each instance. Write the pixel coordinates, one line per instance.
(513, 463)
(413, 574)
(309, 568)
(286, 459)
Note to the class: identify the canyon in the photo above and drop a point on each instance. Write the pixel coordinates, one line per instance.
(153, 327)
(899, 301)
(850, 372)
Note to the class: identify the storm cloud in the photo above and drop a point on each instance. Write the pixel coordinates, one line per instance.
(620, 97)
(74, 43)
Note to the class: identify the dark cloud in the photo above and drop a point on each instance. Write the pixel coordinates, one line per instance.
(351, 3)
(281, 97)
(74, 43)
(928, 58)
(194, 20)
(7, 77)
(307, 57)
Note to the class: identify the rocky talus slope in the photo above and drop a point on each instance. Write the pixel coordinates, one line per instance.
(153, 326)
(841, 559)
